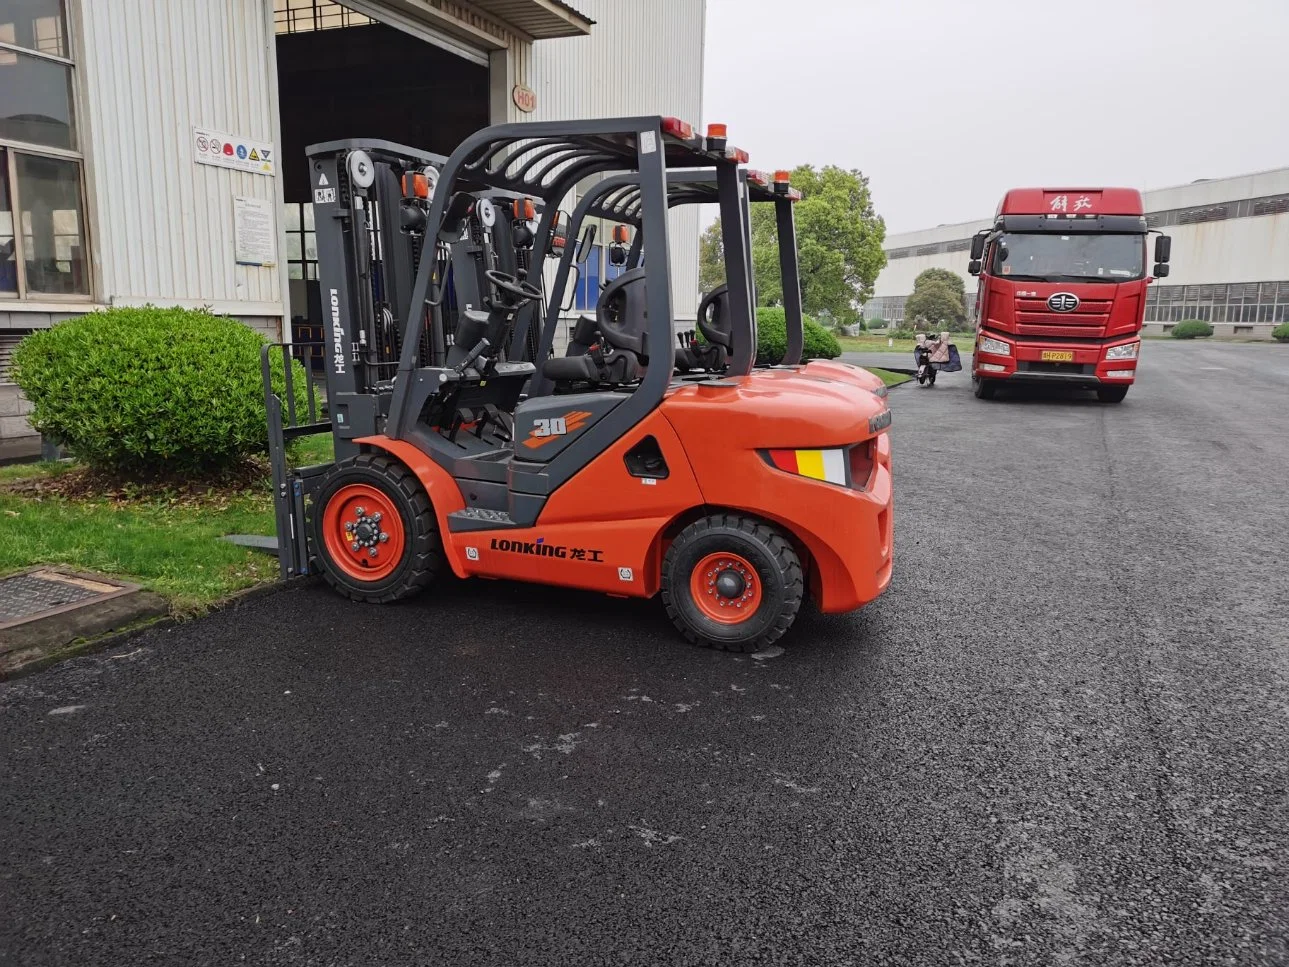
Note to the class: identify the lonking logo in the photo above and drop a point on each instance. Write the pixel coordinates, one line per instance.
(337, 335)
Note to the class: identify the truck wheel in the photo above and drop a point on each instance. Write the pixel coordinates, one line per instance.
(983, 388)
(732, 582)
(1111, 394)
(374, 532)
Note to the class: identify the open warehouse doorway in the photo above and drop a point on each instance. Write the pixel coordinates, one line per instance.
(343, 73)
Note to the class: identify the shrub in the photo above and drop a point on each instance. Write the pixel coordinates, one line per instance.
(1191, 328)
(772, 338)
(148, 390)
(1281, 332)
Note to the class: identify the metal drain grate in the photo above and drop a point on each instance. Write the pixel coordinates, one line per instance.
(25, 596)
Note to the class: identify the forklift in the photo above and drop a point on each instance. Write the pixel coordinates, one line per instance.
(730, 493)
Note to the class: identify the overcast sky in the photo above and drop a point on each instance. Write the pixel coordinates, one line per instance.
(945, 104)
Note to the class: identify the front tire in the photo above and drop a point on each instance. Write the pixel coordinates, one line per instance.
(1111, 394)
(374, 532)
(732, 582)
(984, 389)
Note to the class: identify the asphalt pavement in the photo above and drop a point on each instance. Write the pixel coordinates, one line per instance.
(1062, 738)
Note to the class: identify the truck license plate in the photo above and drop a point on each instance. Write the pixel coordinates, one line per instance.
(1057, 356)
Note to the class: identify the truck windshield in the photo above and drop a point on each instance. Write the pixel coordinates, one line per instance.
(1071, 258)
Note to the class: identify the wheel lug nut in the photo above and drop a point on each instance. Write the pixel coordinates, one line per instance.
(349, 526)
(360, 511)
(383, 537)
(371, 552)
(355, 546)
(375, 518)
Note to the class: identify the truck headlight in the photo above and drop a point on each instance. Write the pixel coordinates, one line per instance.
(1126, 351)
(995, 346)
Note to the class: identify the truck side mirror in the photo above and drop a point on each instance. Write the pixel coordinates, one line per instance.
(977, 249)
(1163, 248)
(1161, 270)
(974, 266)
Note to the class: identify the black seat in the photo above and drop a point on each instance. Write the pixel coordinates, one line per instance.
(717, 327)
(613, 347)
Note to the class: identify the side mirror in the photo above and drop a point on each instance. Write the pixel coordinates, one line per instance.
(1161, 270)
(584, 246)
(977, 248)
(1163, 248)
(974, 266)
(570, 293)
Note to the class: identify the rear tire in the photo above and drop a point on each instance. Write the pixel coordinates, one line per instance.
(751, 577)
(983, 388)
(407, 556)
(1111, 394)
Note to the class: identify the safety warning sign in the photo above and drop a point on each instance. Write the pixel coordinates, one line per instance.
(229, 151)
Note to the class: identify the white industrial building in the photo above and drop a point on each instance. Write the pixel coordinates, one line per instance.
(140, 140)
(1230, 257)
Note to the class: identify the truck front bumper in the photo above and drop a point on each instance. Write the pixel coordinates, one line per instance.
(1048, 362)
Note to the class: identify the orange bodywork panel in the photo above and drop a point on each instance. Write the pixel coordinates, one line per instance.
(845, 531)
(601, 530)
(843, 372)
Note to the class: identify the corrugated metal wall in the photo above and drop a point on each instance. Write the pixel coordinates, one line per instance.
(150, 70)
(641, 58)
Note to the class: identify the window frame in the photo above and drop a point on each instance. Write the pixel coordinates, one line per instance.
(12, 147)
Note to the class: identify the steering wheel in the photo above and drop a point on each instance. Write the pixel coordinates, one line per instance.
(519, 291)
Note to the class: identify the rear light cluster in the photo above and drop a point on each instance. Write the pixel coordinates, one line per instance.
(844, 466)
(678, 128)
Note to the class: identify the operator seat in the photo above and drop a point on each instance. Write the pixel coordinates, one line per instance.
(717, 327)
(621, 353)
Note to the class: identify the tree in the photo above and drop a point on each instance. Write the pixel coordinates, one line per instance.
(711, 258)
(839, 244)
(938, 301)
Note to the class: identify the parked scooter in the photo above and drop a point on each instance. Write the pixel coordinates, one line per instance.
(925, 359)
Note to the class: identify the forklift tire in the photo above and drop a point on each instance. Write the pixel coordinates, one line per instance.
(732, 582)
(374, 532)
(983, 388)
(1111, 394)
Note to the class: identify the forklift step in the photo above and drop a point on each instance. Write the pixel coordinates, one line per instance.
(479, 519)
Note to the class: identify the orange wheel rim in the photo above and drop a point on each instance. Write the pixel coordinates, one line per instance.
(726, 588)
(363, 532)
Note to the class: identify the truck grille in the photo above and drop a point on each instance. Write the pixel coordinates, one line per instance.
(1034, 318)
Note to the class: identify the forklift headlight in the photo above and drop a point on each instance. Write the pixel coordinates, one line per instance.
(995, 346)
(879, 422)
(1126, 351)
(882, 392)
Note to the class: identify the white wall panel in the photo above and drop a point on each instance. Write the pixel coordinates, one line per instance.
(643, 57)
(151, 70)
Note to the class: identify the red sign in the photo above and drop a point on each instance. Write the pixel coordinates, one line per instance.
(1072, 202)
(524, 98)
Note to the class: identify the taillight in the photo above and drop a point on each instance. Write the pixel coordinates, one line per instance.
(843, 466)
(862, 458)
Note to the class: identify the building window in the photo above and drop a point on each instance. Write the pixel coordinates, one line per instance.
(42, 214)
(301, 242)
(588, 285)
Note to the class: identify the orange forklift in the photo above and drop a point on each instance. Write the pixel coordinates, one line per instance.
(730, 492)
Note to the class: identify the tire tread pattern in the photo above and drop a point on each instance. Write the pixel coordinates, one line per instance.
(781, 553)
(423, 539)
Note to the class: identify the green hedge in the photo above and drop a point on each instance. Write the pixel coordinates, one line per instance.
(1281, 332)
(772, 338)
(148, 390)
(1190, 329)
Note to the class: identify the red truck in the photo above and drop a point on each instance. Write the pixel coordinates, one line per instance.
(1062, 290)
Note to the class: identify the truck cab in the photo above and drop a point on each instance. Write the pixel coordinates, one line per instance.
(1062, 293)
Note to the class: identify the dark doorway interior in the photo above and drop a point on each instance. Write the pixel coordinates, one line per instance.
(371, 81)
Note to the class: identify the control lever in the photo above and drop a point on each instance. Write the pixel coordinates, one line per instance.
(481, 347)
